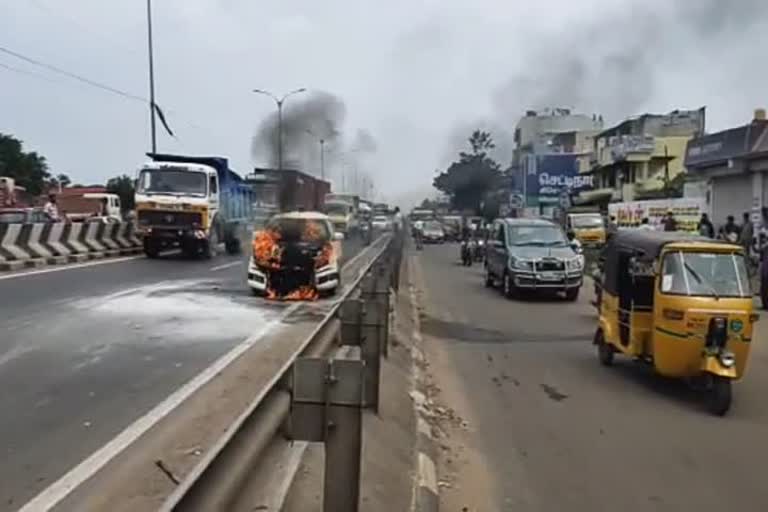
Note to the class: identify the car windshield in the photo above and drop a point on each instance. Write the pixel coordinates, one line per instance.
(336, 209)
(705, 274)
(12, 217)
(300, 230)
(433, 226)
(587, 221)
(536, 235)
(174, 182)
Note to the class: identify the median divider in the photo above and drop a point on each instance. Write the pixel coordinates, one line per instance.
(35, 245)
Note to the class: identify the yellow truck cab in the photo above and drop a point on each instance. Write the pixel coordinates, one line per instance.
(589, 228)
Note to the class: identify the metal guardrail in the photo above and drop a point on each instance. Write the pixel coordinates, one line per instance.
(312, 398)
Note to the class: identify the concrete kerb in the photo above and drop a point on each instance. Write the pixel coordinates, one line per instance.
(426, 496)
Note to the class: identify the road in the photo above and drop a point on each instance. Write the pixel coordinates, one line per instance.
(85, 351)
(539, 425)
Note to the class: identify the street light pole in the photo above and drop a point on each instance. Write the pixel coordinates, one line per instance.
(150, 47)
(322, 159)
(279, 102)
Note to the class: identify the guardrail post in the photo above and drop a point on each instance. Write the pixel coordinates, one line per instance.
(327, 400)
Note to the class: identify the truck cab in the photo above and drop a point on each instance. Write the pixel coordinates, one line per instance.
(589, 228)
(193, 203)
(341, 215)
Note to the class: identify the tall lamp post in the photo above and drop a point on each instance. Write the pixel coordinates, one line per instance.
(322, 153)
(150, 48)
(279, 102)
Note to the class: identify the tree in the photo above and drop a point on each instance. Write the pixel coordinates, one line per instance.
(470, 179)
(29, 170)
(124, 188)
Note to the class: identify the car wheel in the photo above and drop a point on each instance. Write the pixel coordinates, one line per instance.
(509, 288)
(257, 293)
(572, 294)
(488, 278)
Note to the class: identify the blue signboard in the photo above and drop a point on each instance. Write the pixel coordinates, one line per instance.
(549, 177)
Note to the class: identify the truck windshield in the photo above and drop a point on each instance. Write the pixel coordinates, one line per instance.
(336, 209)
(169, 181)
(705, 274)
(300, 230)
(587, 221)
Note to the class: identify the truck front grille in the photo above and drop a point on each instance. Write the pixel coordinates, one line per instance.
(154, 218)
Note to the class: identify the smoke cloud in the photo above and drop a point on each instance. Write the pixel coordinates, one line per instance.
(612, 64)
(306, 120)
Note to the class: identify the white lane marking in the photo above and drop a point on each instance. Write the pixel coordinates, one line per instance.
(225, 265)
(71, 267)
(60, 489)
(427, 473)
(57, 491)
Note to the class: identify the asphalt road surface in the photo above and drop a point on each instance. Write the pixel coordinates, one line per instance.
(534, 423)
(86, 351)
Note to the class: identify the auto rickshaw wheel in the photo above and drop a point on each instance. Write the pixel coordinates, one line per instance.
(720, 396)
(605, 351)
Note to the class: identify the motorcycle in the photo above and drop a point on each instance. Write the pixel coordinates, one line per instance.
(479, 251)
(466, 253)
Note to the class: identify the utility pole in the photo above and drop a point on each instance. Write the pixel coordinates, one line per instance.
(279, 102)
(153, 126)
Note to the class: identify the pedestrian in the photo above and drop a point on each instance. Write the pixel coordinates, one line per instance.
(731, 230)
(705, 226)
(669, 222)
(747, 235)
(645, 225)
(51, 208)
(611, 228)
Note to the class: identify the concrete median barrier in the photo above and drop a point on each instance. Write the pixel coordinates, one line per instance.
(33, 245)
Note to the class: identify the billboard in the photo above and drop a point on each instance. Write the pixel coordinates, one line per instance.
(549, 177)
(687, 212)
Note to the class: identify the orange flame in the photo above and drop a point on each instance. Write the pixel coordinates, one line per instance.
(323, 258)
(303, 293)
(266, 249)
(312, 231)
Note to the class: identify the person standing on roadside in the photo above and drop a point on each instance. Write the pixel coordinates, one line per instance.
(747, 235)
(669, 222)
(705, 226)
(645, 225)
(731, 230)
(51, 208)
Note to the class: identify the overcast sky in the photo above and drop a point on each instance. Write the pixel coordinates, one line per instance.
(414, 74)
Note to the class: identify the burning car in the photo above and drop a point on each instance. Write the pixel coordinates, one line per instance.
(295, 257)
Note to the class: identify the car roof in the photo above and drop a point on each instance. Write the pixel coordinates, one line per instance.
(302, 215)
(527, 222)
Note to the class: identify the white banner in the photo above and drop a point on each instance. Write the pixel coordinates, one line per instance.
(687, 212)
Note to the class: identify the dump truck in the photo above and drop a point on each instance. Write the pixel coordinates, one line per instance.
(194, 203)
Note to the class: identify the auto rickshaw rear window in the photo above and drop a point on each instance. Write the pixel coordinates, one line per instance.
(703, 274)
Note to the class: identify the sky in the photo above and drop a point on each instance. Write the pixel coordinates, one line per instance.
(407, 80)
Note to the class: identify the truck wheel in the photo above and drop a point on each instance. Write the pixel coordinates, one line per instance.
(720, 396)
(211, 246)
(572, 294)
(151, 249)
(233, 246)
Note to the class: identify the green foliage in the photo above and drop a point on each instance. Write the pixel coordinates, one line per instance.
(468, 180)
(123, 186)
(28, 169)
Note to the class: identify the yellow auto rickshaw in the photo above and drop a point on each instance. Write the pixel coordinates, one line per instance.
(679, 302)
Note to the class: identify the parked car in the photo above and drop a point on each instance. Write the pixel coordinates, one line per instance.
(295, 256)
(382, 222)
(433, 232)
(528, 255)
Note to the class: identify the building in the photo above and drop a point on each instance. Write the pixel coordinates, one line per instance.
(551, 146)
(731, 169)
(641, 157)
